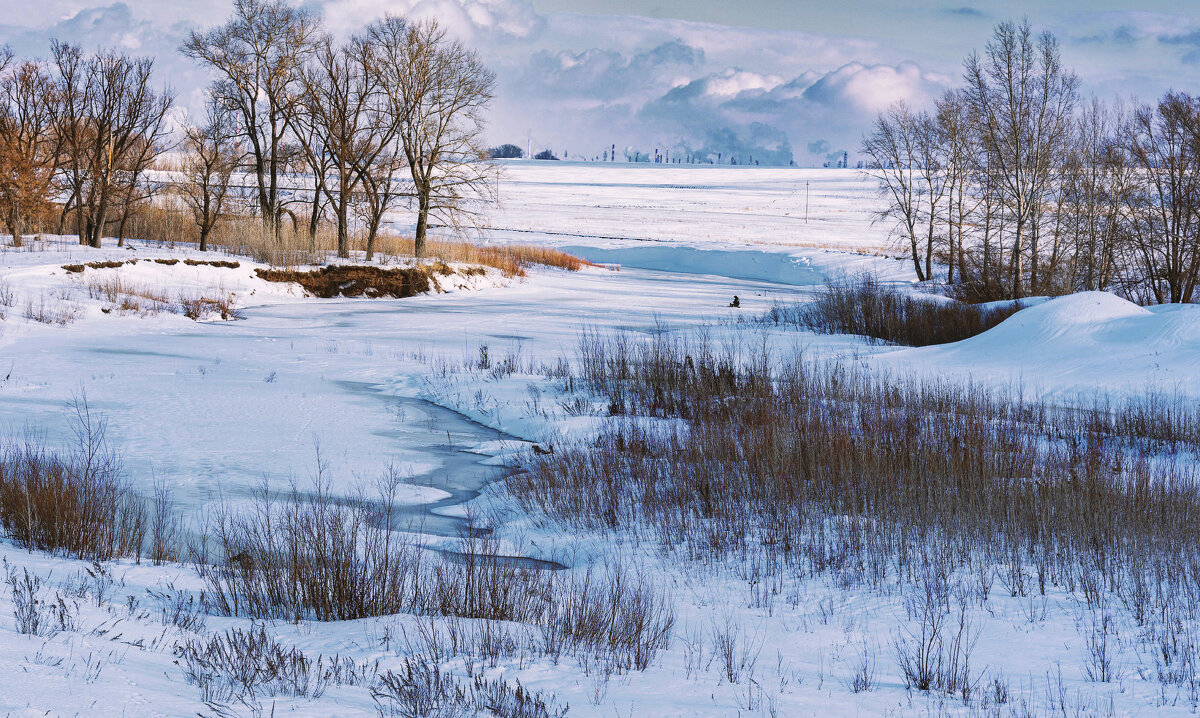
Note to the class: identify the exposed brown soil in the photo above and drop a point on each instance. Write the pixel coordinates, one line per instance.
(364, 281)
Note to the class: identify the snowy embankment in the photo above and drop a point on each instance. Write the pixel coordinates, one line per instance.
(1075, 346)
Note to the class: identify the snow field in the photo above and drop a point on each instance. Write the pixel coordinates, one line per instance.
(215, 406)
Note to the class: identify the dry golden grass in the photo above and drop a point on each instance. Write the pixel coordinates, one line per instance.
(511, 260)
(245, 236)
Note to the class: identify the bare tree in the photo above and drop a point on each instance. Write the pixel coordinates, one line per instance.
(1024, 100)
(380, 190)
(257, 55)
(138, 187)
(1164, 144)
(111, 124)
(1097, 177)
(213, 155)
(439, 90)
(956, 130)
(27, 156)
(347, 114)
(904, 148)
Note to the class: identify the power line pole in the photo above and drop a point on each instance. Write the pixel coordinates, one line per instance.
(806, 201)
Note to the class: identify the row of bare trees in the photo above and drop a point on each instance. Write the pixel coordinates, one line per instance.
(396, 98)
(82, 129)
(296, 124)
(1017, 186)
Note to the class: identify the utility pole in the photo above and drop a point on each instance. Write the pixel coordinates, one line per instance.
(806, 201)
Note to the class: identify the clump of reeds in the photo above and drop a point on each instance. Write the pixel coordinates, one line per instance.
(867, 307)
(311, 555)
(77, 503)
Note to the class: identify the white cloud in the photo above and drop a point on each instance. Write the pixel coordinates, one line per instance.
(584, 81)
(872, 88)
(469, 20)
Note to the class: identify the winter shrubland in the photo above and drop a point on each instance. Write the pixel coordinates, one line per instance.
(824, 469)
(309, 555)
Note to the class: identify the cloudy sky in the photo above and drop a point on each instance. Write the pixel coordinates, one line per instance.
(773, 79)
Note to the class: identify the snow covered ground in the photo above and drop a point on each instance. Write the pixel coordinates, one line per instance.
(215, 407)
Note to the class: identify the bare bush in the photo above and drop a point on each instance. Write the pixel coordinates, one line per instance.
(1101, 649)
(737, 652)
(422, 690)
(863, 306)
(863, 678)
(245, 665)
(26, 589)
(79, 504)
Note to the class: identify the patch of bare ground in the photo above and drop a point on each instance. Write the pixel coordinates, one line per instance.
(368, 281)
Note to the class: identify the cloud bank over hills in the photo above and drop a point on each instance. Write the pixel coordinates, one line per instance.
(580, 82)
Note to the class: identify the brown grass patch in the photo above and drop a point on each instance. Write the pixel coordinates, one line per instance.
(78, 503)
(78, 268)
(865, 306)
(197, 308)
(512, 260)
(244, 235)
(362, 281)
(211, 263)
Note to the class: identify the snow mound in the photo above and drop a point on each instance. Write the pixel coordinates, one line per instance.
(1085, 341)
(1064, 317)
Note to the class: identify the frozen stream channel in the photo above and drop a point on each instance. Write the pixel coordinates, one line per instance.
(217, 409)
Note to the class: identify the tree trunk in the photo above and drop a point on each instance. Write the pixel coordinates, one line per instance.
(371, 232)
(343, 233)
(121, 228)
(916, 256)
(423, 222)
(97, 230)
(1016, 263)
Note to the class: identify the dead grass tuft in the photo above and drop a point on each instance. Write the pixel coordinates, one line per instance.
(211, 263)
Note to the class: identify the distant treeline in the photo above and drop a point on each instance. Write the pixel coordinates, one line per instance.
(1019, 186)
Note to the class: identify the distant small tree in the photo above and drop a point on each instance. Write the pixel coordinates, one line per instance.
(1164, 213)
(213, 154)
(506, 152)
(905, 157)
(545, 155)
